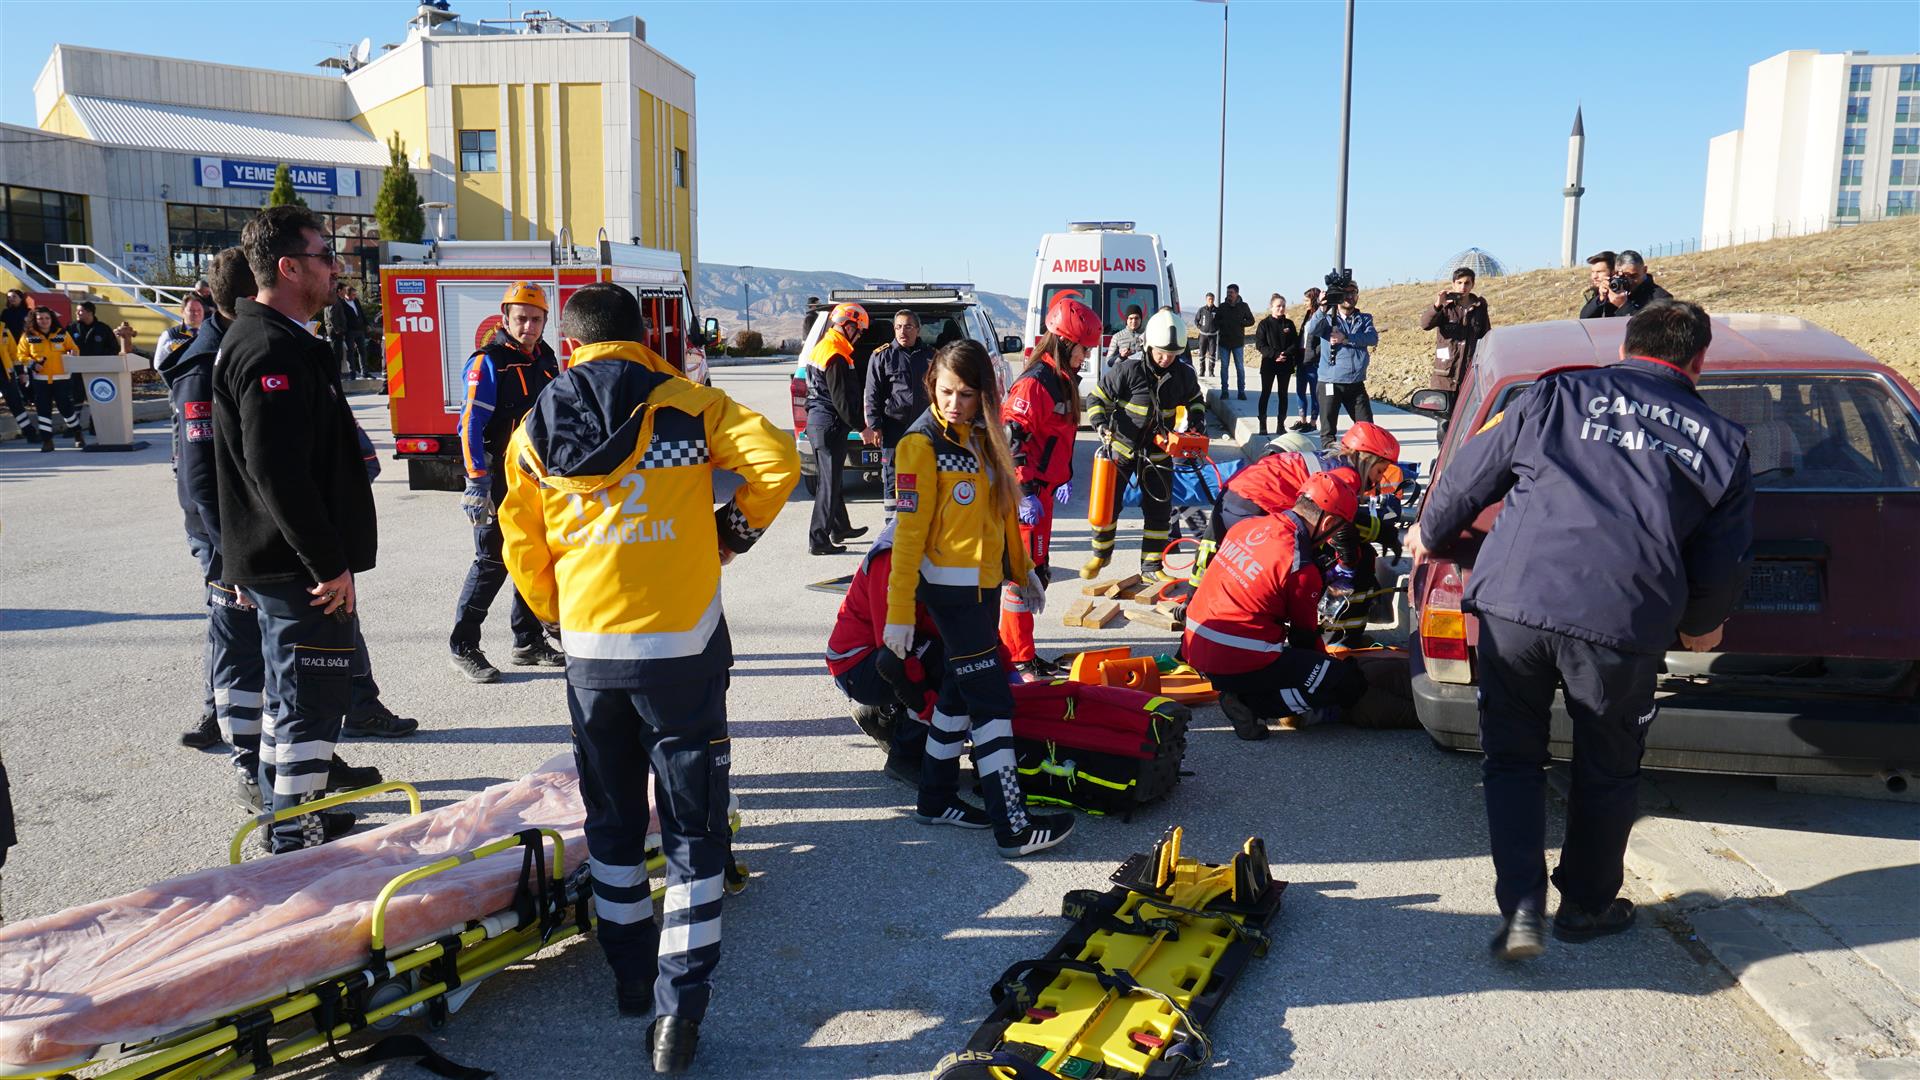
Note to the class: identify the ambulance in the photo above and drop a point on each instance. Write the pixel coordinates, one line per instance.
(440, 302)
(1107, 266)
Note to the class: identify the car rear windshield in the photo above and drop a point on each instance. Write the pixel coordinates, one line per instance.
(1808, 432)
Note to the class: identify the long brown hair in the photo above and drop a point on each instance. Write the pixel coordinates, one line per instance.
(969, 361)
(1058, 349)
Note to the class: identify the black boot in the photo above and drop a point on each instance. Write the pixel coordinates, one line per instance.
(673, 1041)
(203, 736)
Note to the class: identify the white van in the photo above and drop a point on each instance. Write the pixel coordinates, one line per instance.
(1108, 267)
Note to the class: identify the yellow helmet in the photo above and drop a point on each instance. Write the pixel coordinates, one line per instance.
(525, 292)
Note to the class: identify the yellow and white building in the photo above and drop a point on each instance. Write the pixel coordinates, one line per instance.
(524, 128)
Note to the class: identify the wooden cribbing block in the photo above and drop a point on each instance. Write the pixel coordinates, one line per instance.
(1154, 617)
(1104, 612)
(1076, 611)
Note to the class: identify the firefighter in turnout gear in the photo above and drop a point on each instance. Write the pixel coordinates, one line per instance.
(1253, 627)
(610, 531)
(43, 350)
(1136, 402)
(956, 540)
(1043, 415)
(503, 379)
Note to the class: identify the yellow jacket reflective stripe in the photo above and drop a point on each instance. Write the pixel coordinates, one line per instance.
(48, 350)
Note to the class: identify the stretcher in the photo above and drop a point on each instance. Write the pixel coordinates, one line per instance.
(231, 971)
(1128, 992)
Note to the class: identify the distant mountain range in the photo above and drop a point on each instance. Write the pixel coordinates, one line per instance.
(779, 298)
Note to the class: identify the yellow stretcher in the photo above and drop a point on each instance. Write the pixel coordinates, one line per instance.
(1128, 991)
(430, 979)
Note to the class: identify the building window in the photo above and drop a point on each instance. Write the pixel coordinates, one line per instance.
(1904, 173)
(196, 233)
(1902, 203)
(1906, 110)
(1906, 140)
(32, 221)
(679, 168)
(1851, 172)
(1910, 76)
(1861, 78)
(1855, 141)
(1856, 110)
(477, 152)
(1849, 205)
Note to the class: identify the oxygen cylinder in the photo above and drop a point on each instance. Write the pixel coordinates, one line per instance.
(1100, 501)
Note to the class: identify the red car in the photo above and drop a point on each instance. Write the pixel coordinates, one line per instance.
(1820, 668)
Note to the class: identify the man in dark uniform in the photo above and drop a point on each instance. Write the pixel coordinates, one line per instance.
(1627, 519)
(502, 380)
(296, 507)
(1134, 404)
(896, 394)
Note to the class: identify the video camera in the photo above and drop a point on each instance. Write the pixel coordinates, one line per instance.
(1339, 283)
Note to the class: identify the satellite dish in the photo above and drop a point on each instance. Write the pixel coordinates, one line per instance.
(362, 50)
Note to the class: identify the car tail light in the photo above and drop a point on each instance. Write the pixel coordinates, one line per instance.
(798, 389)
(1443, 633)
(417, 446)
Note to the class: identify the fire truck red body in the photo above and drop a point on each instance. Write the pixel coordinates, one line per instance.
(441, 303)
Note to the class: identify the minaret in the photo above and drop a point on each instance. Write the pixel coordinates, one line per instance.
(1570, 223)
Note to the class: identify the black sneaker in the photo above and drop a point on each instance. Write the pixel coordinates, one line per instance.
(315, 829)
(905, 768)
(538, 654)
(1575, 924)
(472, 663)
(203, 736)
(344, 777)
(1245, 723)
(826, 549)
(1042, 832)
(1519, 937)
(246, 792)
(379, 722)
(672, 1041)
(958, 813)
(875, 722)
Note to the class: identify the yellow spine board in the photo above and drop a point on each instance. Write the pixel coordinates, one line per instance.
(1098, 1024)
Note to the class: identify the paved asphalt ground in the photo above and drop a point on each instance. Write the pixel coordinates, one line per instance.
(866, 943)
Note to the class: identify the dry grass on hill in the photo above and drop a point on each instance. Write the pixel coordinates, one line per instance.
(1862, 283)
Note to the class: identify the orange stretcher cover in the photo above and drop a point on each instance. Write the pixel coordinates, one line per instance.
(193, 948)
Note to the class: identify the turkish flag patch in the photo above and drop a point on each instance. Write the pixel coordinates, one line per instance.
(197, 410)
(270, 383)
(905, 481)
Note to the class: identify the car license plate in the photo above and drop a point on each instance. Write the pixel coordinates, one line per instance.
(1782, 585)
(869, 457)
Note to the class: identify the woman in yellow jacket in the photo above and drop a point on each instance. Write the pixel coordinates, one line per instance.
(955, 502)
(10, 384)
(43, 351)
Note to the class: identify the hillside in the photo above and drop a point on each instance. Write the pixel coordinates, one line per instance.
(1862, 283)
(779, 298)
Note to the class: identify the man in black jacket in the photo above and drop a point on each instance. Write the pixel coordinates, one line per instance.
(896, 394)
(1630, 269)
(1206, 322)
(1235, 319)
(347, 329)
(295, 505)
(1626, 529)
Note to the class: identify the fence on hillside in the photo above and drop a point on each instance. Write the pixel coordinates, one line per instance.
(1778, 230)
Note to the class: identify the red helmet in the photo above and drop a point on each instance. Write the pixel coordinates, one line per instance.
(848, 313)
(1075, 321)
(1332, 495)
(1370, 438)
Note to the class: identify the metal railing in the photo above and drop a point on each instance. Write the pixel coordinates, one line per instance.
(127, 281)
(32, 269)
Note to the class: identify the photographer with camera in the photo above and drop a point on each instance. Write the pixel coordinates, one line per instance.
(1599, 272)
(1631, 287)
(1458, 320)
(1346, 334)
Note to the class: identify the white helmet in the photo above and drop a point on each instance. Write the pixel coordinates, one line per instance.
(1294, 442)
(1166, 330)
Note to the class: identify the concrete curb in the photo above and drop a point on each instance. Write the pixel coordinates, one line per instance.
(749, 361)
(1842, 1011)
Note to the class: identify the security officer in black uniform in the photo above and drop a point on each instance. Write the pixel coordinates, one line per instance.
(1133, 404)
(502, 380)
(1628, 519)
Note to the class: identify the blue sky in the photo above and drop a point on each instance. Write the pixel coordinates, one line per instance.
(900, 139)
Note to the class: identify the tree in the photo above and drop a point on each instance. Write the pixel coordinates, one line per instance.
(397, 209)
(283, 193)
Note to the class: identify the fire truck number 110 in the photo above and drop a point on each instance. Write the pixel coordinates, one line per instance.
(408, 324)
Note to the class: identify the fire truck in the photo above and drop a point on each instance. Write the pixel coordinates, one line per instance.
(441, 303)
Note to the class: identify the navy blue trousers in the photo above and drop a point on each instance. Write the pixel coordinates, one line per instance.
(1609, 697)
(310, 661)
(679, 734)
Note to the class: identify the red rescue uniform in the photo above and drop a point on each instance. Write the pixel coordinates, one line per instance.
(1041, 425)
(1261, 590)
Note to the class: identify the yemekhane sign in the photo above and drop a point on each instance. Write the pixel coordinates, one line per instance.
(227, 173)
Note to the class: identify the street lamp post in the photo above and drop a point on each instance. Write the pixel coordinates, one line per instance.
(746, 296)
(1220, 221)
(1346, 127)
